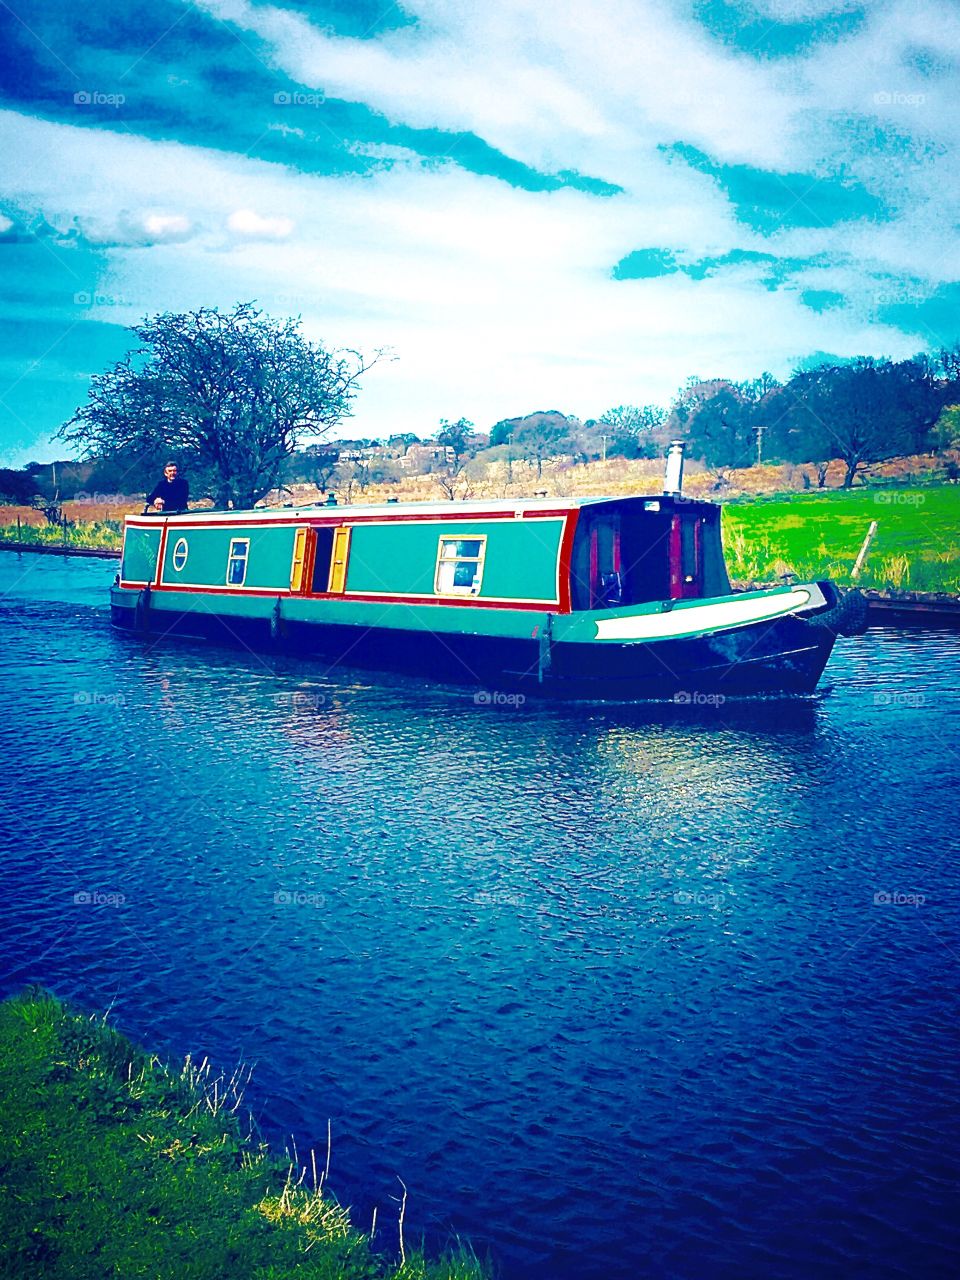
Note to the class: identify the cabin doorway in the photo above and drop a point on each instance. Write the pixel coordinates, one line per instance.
(606, 582)
(686, 557)
(331, 552)
(321, 560)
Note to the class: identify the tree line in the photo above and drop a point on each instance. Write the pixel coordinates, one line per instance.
(861, 411)
(246, 403)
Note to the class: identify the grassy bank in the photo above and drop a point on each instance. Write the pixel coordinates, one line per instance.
(113, 1165)
(916, 548)
(105, 534)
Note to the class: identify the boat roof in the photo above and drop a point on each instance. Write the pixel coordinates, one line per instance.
(518, 507)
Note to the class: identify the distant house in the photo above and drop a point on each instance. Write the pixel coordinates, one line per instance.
(420, 458)
(360, 450)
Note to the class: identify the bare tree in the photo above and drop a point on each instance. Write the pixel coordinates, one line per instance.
(230, 395)
(458, 442)
(323, 465)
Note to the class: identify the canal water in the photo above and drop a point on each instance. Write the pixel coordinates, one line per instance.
(615, 992)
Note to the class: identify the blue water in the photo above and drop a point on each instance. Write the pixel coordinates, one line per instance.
(615, 992)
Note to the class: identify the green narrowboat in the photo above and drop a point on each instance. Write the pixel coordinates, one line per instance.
(616, 598)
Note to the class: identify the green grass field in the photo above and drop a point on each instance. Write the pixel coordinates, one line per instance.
(112, 1165)
(917, 546)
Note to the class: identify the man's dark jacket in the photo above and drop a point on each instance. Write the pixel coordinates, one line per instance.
(173, 492)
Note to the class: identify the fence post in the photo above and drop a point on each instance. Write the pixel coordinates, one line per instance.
(855, 573)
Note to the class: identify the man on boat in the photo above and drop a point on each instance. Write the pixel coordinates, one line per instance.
(171, 491)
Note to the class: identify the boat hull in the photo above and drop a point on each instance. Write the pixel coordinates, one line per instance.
(773, 657)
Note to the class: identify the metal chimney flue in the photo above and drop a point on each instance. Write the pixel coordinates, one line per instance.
(673, 476)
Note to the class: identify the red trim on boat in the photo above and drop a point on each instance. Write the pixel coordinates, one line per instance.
(309, 561)
(676, 567)
(594, 565)
(565, 568)
(318, 522)
(474, 602)
(228, 591)
(158, 573)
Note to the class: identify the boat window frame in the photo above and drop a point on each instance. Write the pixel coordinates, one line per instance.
(478, 560)
(181, 543)
(317, 580)
(244, 560)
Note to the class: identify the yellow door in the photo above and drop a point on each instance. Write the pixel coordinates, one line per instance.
(338, 560)
(299, 560)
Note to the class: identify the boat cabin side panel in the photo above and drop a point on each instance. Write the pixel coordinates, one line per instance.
(141, 548)
(448, 560)
(228, 558)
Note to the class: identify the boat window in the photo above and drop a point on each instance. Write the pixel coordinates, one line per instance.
(606, 581)
(180, 552)
(598, 568)
(459, 566)
(620, 558)
(237, 561)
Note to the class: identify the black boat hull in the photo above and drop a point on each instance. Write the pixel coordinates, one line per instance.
(784, 656)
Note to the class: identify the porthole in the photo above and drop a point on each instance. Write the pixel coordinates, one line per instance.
(180, 551)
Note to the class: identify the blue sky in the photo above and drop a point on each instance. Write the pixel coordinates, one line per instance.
(533, 205)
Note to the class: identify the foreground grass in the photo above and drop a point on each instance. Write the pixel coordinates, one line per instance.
(916, 548)
(113, 1165)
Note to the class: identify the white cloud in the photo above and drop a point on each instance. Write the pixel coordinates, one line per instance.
(6, 224)
(559, 86)
(498, 300)
(105, 225)
(166, 226)
(568, 86)
(253, 226)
